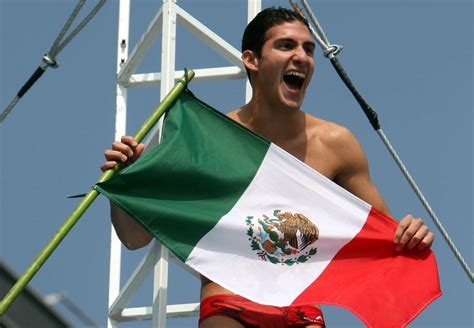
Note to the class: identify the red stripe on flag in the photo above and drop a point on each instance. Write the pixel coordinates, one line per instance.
(383, 287)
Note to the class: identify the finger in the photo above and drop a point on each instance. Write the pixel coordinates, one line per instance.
(129, 140)
(427, 241)
(115, 155)
(409, 232)
(123, 148)
(402, 226)
(107, 165)
(418, 237)
(138, 151)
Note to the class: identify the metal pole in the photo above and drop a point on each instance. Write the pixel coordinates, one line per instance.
(160, 271)
(120, 130)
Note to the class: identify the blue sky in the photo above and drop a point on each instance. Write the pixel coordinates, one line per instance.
(412, 60)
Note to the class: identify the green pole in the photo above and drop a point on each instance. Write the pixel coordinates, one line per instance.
(90, 197)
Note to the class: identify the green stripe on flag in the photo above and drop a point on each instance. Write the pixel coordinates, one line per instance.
(199, 171)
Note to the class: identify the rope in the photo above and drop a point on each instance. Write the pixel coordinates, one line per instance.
(330, 51)
(426, 205)
(49, 59)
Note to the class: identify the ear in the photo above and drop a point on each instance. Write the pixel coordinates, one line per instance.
(250, 60)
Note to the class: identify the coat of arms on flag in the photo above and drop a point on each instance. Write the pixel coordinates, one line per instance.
(283, 238)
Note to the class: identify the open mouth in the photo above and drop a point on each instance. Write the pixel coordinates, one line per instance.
(294, 80)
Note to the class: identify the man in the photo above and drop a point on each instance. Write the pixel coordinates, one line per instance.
(277, 51)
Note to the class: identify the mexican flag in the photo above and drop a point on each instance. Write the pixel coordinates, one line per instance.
(251, 217)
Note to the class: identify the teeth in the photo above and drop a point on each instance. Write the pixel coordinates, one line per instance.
(298, 74)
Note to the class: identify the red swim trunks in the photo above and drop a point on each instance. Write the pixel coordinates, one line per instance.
(252, 314)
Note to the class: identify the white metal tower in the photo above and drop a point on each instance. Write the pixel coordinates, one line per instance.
(156, 260)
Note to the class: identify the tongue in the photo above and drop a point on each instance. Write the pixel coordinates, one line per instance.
(293, 83)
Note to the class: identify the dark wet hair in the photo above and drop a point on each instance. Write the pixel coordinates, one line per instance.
(254, 34)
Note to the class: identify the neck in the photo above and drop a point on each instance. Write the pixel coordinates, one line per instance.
(273, 122)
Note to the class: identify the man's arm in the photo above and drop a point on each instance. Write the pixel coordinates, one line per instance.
(354, 176)
(130, 233)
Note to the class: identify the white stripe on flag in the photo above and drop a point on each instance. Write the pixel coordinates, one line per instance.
(282, 183)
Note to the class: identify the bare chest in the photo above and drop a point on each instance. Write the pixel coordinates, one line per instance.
(315, 154)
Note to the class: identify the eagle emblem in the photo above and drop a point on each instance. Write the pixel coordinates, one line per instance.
(283, 238)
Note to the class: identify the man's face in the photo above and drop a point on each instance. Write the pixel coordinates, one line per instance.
(286, 64)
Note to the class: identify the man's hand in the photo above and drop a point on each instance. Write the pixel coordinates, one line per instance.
(126, 151)
(412, 233)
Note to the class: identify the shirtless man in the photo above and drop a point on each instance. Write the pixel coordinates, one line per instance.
(277, 51)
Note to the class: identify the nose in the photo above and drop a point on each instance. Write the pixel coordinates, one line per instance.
(300, 55)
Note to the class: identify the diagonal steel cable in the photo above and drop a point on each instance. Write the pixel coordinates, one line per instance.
(49, 59)
(67, 25)
(79, 27)
(330, 51)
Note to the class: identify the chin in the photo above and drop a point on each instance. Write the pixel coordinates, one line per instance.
(293, 102)
(291, 105)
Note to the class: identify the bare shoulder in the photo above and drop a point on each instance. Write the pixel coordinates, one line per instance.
(333, 149)
(346, 160)
(330, 134)
(237, 115)
(234, 112)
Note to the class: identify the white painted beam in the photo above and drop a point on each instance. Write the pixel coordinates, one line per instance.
(141, 48)
(201, 75)
(173, 311)
(210, 38)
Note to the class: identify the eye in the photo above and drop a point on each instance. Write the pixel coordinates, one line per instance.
(285, 45)
(309, 49)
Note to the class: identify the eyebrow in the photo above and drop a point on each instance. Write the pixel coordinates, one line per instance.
(293, 40)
